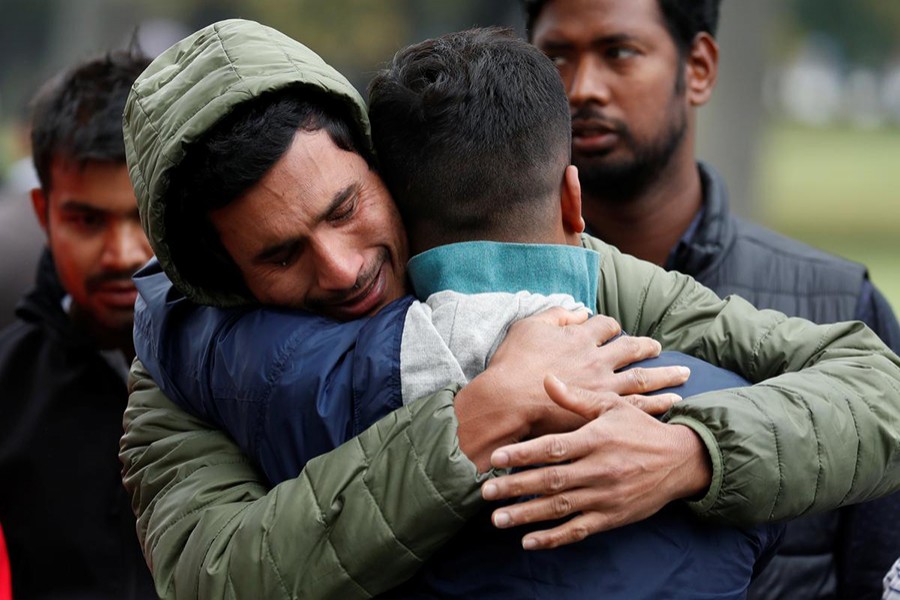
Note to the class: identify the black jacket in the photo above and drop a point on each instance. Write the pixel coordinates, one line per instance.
(67, 519)
(844, 553)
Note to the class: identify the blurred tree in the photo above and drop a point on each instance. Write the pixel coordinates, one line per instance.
(735, 110)
(24, 37)
(353, 35)
(865, 30)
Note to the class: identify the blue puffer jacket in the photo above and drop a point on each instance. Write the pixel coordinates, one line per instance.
(289, 385)
(286, 385)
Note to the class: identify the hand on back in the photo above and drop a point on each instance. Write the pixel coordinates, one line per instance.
(508, 402)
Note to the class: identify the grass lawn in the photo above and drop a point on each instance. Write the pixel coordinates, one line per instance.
(837, 189)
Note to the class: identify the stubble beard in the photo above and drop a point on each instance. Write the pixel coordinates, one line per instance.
(623, 180)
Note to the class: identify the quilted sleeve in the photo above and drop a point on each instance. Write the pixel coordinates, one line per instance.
(358, 520)
(821, 431)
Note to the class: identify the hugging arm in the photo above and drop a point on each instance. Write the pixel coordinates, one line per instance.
(822, 430)
(289, 385)
(211, 528)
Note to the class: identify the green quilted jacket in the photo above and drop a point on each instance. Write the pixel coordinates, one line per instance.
(211, 528)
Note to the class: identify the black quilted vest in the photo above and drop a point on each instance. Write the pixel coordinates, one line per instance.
(733, 256)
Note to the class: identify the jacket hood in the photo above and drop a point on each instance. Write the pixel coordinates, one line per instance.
(187, 90)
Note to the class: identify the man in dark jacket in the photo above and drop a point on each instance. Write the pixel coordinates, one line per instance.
(635, 72)
(63, 364)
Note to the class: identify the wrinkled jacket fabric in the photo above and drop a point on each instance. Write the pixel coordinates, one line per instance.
(839, 554)
(210, 528)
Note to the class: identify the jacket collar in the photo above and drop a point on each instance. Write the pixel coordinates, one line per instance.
(702, 246)
(43, 306)
(479, 267)
(44, 301)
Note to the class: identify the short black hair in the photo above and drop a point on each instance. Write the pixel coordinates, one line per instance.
(232, 157)
(684, 19)
(77, 115)
(473, 136)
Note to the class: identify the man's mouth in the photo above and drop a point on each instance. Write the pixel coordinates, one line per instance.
(365, 301)
(116, 294)
(592, 136)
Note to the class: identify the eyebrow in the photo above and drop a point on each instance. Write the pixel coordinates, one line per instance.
(80, 206)
(606, 40)
(337, 200)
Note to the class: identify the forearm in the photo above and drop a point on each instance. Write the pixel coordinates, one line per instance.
(802, 441)
(820, 432)
(211, 529)
(484, 423)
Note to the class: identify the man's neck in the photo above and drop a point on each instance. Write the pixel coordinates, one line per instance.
(651, 223)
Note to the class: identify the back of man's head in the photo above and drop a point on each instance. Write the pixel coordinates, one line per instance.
(683, 18)
(77, 115)
(473, 137)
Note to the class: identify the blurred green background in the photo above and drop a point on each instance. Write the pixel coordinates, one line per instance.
(837, 188)
(804, 124)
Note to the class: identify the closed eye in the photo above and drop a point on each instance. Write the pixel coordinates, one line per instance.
(344, 211)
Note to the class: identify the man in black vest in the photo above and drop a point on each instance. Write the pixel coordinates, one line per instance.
(66, 517)
(635, 72)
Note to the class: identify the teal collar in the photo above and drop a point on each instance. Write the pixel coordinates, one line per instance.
(478, 267)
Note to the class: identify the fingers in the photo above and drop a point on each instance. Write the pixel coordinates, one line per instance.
(553, 448)
(558, 506)
(602, 329)
(562, 317)
(546, 508)
(593, 512)
(574, 530)
(590, 404)
(641, 380)
(552, 479)
(553, 419)
(628, 349)
(578, 400)
(653, 405)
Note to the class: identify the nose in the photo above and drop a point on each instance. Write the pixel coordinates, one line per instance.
(587, 82)
(126, 247)
(337, 264)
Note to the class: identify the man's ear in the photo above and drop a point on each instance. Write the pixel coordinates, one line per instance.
(570, 203)
(41, 206)
(702, 69)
